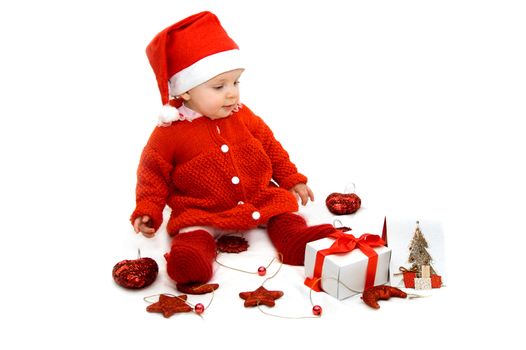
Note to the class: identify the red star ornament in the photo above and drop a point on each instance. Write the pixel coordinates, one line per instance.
(168, 305)
(261, 296)
(373, 294)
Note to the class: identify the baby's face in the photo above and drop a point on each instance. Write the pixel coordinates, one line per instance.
(217, 98)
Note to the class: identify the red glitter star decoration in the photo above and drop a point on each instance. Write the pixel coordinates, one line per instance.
(373, 294)
(197, 288)
(261, 296)
(168, 305)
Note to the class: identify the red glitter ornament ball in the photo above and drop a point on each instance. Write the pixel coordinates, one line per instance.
(135, 274)
(343, 203)
(262, 271)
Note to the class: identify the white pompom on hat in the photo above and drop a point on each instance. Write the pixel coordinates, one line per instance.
(188, 54)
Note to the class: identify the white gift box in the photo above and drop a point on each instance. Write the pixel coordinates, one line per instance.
(343, 275)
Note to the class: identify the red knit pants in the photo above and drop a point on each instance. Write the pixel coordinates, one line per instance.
(193, 253)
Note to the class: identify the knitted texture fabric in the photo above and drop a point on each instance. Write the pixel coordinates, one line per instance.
(191, 257)
(216, 173)
(290, 234)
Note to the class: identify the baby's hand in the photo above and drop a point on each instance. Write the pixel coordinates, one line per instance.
(304, 192)
(143, 224)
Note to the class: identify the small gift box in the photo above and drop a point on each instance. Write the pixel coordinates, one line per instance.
(410, 277)
(343, 265)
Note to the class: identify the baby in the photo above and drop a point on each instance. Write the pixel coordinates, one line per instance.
(212, 160)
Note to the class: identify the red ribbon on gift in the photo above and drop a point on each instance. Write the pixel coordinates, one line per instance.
(345, 243)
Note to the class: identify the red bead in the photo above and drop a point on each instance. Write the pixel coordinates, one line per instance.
(262, 271)
(316, 310)
(199, 308)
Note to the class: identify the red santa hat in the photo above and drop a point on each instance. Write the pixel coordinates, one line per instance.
(188, 54)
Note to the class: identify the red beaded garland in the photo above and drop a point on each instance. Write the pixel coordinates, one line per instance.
(316, 310)
(199, 308)
(262, 271)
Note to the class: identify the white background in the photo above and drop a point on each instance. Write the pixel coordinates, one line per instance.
(419, 103)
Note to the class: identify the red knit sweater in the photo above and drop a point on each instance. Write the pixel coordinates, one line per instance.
(215, 173)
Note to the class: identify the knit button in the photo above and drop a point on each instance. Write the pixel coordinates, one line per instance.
(235, 180)
(224, 148)
(256, 215)
(240, 203)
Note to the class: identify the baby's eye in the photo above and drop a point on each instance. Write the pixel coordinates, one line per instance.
(236, 83)
(218, 87)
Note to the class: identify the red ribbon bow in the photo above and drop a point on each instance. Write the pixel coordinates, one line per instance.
(345, 243)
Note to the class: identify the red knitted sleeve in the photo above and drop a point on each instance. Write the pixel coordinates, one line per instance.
(284, 172)
(152, 188)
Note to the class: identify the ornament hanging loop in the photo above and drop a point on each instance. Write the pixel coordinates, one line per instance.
(348, 187)
(337, 223)
(415, 296)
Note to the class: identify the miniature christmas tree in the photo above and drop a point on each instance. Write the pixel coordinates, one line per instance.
(418, 254)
